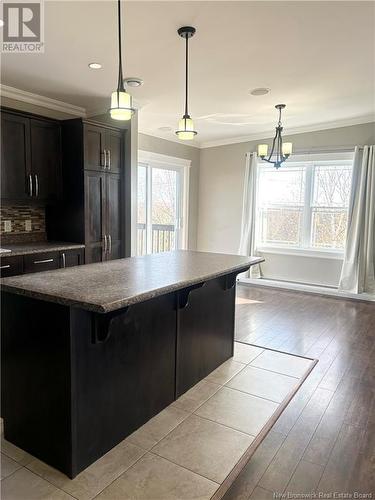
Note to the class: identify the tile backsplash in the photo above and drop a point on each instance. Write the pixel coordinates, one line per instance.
(22, 222)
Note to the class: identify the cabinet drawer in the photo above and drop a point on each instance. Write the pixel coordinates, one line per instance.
(10, 266)
(45, 261)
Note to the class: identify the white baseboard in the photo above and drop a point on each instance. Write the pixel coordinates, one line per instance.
(320, 290)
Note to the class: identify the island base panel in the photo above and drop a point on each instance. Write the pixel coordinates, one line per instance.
(205, 331)
(76, 383)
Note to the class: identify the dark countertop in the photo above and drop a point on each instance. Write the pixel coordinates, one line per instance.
(107, 286)
(40, 246)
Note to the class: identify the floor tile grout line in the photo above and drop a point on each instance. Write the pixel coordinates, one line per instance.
(11, 474)
(251, 394)
(183, 467)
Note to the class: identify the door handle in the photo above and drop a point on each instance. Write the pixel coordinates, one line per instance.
(103, 159)
(105, 244)
(36, 185)
(30, 185)
(43, 261)
(110, 244)
(5, 267)
(63, 260)
(109, 159)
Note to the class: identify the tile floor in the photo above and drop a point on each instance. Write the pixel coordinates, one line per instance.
(186, 451)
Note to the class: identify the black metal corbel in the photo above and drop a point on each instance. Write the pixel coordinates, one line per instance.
(101, 324)
(183, 295)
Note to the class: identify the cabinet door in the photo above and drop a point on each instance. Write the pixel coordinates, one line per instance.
(94, 145)
(114, 228)
(15, 157)
(45, 159)
(71, 258)
(95, 215)
(113, 150)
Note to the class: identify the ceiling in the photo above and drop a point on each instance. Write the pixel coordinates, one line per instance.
(317, 57)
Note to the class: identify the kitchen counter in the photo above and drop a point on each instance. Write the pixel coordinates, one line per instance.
(38, 247)
(91, 353)
(108, 286)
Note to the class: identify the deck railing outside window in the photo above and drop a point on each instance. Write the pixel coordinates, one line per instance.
(162, 238)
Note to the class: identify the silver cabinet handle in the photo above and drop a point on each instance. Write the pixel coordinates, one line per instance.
(105, 243)
(103, 159)
(30, 185)
(110, 244)
(5, 267)
(63, 260)
(109, 159)
(36, 185)
(43, 261)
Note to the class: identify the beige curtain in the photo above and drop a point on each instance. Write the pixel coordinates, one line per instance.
(247, 242)
(357, 275)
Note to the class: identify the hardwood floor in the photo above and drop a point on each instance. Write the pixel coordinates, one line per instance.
(325, 439)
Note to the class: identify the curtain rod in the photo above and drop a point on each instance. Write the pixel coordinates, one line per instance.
(343, 149)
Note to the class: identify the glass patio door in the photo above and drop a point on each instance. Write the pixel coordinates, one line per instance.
(159, 211)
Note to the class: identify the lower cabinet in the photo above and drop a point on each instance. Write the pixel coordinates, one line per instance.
(71, 258)
(36, 262)
(10, 266)
(43, 261)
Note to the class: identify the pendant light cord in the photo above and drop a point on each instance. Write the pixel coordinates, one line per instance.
(186, 75)
(120, 84)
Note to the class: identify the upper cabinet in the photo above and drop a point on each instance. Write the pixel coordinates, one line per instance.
(31, 158)
(102, 148)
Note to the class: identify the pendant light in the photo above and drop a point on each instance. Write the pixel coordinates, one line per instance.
(186, 130)
(280, 151)
(121, 102)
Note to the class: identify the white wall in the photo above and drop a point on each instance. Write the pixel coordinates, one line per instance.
(162, 146)
(221, 178)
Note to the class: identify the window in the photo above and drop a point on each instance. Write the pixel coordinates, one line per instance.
(304, 205)
(162, 203)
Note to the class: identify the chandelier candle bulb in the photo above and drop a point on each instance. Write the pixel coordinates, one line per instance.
(287, 148)
(262, 150)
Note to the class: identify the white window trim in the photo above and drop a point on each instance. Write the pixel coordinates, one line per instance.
(307, 251)
(183, 166)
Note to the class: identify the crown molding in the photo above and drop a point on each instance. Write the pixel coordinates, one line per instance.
(291, 131)
(38, 100)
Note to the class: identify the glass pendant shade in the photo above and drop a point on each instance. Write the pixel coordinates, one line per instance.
(262, 150)
(121, 106)
(287, 148)
(186, 130)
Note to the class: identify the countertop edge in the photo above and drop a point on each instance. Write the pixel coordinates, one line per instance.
(119, 304)
(51, 248)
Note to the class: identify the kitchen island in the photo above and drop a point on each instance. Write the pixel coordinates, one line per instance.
(89, 354)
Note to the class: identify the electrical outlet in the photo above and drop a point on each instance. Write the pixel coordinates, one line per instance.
(28, 225)
(7, 226)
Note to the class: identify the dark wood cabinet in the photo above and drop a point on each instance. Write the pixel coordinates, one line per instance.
(95, 216)
(93, 207)
(31, 158)
(72, 257)
(103, 214)
(102, 148)
(11, 266)
(113, 216)
(37, 262)
(45, 159)
(15, 157)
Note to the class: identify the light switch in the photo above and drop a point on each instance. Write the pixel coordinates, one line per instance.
(28, 225)
(7, 226)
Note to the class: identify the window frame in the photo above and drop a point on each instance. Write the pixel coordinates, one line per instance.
(309, 163)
